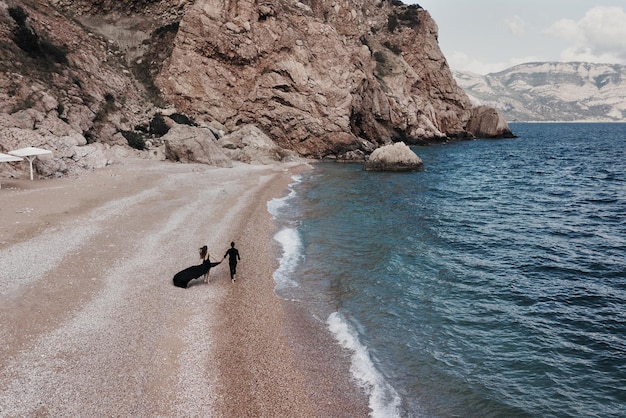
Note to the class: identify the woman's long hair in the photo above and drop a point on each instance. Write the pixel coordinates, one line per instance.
(204, 253)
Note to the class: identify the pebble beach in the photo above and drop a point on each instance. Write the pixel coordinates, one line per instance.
(91, 324)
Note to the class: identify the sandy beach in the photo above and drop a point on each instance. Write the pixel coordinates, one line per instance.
(91, 324)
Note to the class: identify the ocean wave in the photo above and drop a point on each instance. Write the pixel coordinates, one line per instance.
(275, 206)
(291, 244)
(384, 401)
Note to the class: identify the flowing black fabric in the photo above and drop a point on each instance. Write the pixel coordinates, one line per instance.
(182, 278)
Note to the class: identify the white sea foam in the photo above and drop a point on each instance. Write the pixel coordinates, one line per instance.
(296, 179)
(384, 401)
(289, 239)
(275, 205)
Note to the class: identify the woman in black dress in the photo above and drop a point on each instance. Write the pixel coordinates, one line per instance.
(182, 278)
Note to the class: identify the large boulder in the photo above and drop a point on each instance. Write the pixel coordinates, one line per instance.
(486, 122)
(396, 157)
(250, 145)
(193, 144)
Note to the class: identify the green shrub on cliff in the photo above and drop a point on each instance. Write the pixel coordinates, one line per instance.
(134, 139)
(158, 127)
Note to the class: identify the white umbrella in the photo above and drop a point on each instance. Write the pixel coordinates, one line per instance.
(30, 153)
(5, 158)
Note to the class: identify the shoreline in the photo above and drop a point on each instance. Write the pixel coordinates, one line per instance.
(274, 358)
(91, 320)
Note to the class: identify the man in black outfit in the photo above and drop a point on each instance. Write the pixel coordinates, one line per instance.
(233, 256)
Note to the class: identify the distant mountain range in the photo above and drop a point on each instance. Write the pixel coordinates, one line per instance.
(551, 91)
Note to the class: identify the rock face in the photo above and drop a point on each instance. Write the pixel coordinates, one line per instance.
(320, 78)
(486, 122)
(395, 157)
(309, 73)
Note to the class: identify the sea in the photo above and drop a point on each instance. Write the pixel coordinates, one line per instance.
(491, 284)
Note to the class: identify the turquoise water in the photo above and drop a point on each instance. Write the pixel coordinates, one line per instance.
(492, 284)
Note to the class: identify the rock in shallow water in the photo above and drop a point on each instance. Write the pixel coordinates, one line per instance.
(396, 157)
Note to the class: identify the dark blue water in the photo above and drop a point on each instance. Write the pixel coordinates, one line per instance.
(492, 284)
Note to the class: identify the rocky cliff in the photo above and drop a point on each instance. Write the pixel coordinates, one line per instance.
(94, 80)
(551, 91)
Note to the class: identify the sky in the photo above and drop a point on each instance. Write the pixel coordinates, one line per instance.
(485, 36)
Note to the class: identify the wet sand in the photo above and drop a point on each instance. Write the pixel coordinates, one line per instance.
(91, 324)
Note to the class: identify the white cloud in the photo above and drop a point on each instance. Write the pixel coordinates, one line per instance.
(600, 36)
(516, 25)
